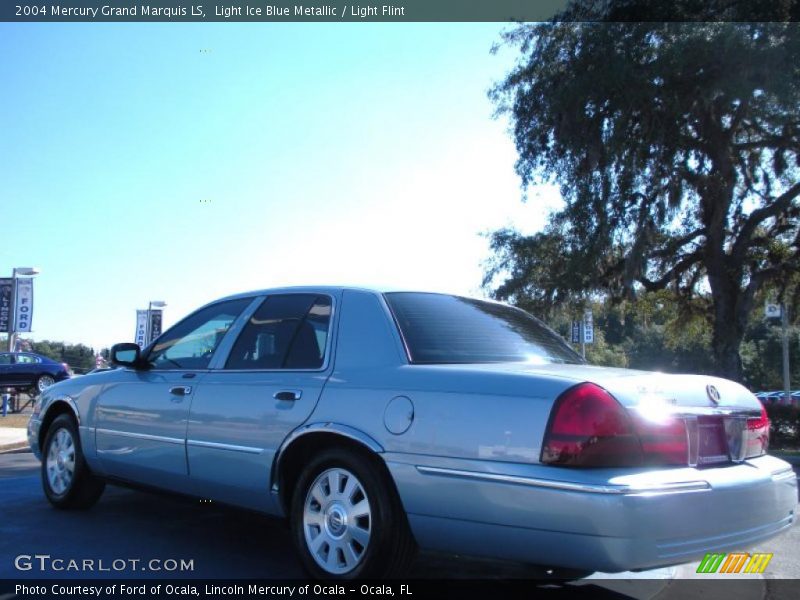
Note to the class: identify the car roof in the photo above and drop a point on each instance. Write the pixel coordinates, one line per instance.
(322, 289)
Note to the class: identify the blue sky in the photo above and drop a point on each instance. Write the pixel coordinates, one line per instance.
(183, 162)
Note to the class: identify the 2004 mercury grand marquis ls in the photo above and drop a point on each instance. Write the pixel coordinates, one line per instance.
(379, 422)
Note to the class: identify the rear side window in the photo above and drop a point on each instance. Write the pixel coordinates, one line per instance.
(288, 331)
(449, 329)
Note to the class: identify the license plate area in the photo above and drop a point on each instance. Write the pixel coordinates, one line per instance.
(712, 445)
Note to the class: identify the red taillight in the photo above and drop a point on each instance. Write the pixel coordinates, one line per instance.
(664, 442)
(589, 428)
(757, 435)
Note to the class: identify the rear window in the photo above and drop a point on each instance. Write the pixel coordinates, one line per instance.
(449, 329)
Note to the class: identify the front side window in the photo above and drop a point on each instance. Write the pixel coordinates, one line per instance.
(449, 329)
(191, 343)
(26, 359)
(288, 331)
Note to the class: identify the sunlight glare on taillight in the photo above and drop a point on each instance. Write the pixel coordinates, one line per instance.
(664, 442)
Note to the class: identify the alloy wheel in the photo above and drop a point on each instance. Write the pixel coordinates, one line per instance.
(337, 521)
(44, 382)
(61, 462)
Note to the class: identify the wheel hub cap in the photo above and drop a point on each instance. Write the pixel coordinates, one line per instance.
(337, 521)
(60, 461)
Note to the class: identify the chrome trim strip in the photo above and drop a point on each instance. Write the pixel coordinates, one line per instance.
(716, 411)
(141, 436)
(681, 486)
(219, 446)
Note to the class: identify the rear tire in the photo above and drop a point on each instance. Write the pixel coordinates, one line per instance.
(44, 382)
(347, 521)
(66, 478)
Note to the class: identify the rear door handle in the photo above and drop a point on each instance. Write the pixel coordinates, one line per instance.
(180, 390)
(290, 395)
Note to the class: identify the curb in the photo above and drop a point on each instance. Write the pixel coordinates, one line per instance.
(13, 447)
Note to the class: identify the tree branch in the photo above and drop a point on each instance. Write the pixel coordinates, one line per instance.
(678, 269)
(758, 216)
(671, 246)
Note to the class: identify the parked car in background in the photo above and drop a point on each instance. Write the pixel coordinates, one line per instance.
(381, 422)
(776, 397)
(26, 371)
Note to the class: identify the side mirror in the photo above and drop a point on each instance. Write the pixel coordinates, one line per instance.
(125, 355)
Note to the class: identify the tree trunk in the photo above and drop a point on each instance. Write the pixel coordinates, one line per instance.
(730, 318)
(727, 339)
(724, 276)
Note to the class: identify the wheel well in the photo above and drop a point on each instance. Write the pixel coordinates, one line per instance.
(300, 452)
(59, 407)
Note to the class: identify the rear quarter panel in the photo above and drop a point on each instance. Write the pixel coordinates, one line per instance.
(458, 411)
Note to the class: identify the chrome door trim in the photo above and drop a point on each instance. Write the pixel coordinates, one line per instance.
(663, 488)
(219, 446)
(140, 436)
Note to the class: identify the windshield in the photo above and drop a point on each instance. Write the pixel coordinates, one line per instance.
(438, 328)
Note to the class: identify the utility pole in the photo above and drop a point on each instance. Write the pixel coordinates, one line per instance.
(583, 340)
(787, 384)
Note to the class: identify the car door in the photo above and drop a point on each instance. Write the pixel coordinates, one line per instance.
(264, 387)
(27, 369)
(141, 415)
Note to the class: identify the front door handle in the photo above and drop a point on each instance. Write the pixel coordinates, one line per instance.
(290, 395)
(180, 390)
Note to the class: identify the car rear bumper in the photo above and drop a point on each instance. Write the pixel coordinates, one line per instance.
(600, 520)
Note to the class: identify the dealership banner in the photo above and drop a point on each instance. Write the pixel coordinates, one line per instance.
(24, 307)
(5, 304)
(155, 324)
(141, 328)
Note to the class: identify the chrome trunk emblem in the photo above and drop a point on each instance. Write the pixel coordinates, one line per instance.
(713, 395)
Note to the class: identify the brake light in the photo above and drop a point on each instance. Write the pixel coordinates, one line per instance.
(664, 442)
(589, 428)
(757, 435)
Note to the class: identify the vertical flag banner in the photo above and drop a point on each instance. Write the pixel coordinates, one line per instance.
(5, 304)
(588, 328)
(141, 328)
(24, 308)
(155, 324)
(576, 332)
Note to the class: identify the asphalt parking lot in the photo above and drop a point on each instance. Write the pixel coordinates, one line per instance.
(230, 544)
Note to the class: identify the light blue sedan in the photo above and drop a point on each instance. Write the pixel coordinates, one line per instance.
(377, 423)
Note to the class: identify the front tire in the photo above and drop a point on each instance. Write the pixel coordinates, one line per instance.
(347, 521)
(66, 478)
